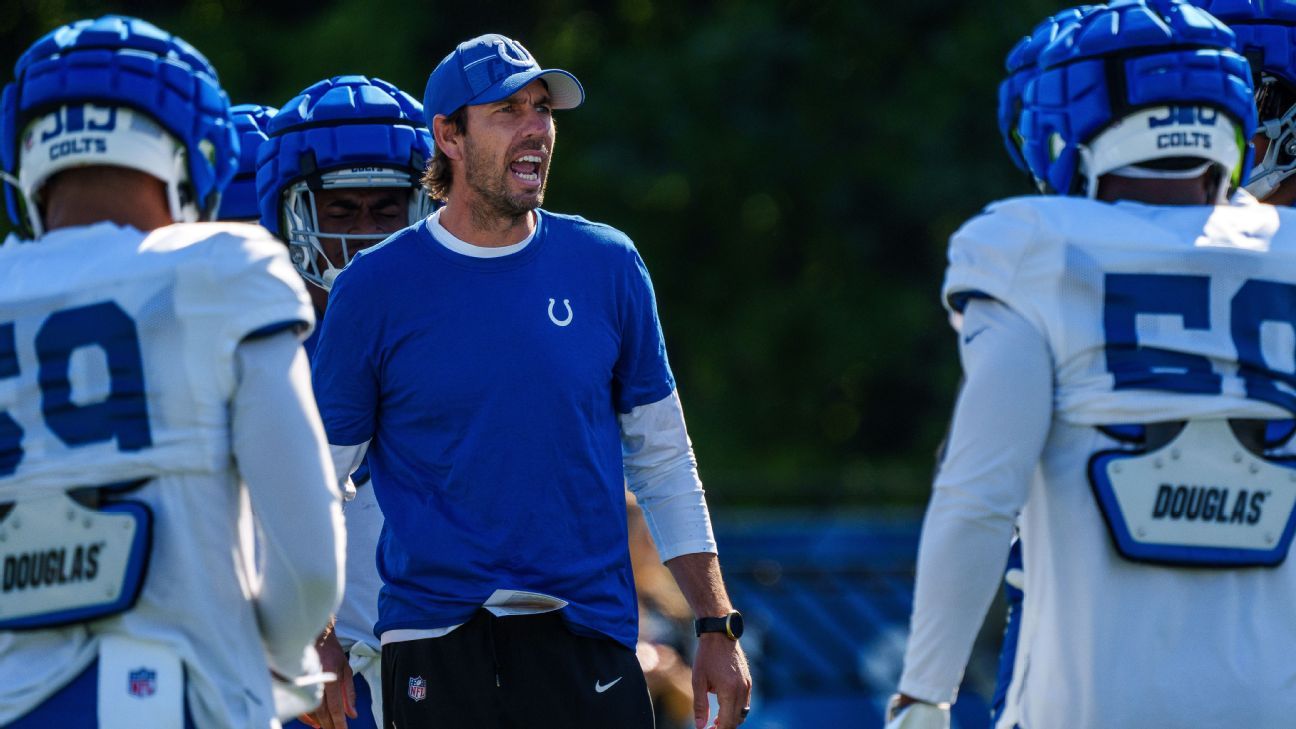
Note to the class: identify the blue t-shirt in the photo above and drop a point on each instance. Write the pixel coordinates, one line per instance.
(361, 475)
(490, 389)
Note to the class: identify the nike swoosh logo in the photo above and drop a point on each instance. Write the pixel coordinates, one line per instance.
(968, 339)
(600, 688)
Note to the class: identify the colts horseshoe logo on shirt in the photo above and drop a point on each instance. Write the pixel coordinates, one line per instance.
(556, 320)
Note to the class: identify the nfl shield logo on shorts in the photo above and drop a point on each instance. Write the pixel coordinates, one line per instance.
(417, 688)
(143, 683)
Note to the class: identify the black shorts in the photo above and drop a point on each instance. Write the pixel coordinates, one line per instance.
(524, 671)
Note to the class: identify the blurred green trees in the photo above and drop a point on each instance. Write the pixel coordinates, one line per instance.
(790, 171)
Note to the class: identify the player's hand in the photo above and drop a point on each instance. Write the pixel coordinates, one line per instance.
(905, 712)
(339, 696)
(720, 668)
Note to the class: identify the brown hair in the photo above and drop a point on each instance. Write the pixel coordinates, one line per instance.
(437, 178)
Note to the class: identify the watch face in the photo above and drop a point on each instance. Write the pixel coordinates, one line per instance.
(734, 625)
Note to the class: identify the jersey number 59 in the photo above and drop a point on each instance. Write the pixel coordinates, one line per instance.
(1135, 366)
(122, 416)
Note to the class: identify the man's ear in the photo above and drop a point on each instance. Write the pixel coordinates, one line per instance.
(448, 138)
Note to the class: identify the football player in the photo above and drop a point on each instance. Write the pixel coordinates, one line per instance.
(339, 173)
(153, 381)
(1264, 31)
(239, 201)
(1126, 345)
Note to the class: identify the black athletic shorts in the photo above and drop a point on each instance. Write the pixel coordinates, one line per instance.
(518, 672)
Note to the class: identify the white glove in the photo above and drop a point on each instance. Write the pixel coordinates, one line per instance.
(917, 715)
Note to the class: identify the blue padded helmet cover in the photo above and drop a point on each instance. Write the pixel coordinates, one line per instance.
(1265, 30)
(1021, 66)
(1124, 57)
(240, 201)
(122, 61)
(345, 121)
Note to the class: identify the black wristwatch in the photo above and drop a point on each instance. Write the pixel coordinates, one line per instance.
(731, 625)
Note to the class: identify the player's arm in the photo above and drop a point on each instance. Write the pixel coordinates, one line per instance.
(656, 453)
(719, 665)
(282, 456)
(661, 470)
(1000, 424)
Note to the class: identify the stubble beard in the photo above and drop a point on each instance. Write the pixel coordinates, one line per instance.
(489, 179)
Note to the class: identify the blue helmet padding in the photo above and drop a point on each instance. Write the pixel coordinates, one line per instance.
(240, 200)
(1124, 57)
(345, 121)
(1021, 66)
(124, 61)
(1127, 26)
(1265, 30)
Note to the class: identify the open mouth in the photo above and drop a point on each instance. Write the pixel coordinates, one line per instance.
(527, 168)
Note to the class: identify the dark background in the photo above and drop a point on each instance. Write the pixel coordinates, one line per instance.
(790, 171)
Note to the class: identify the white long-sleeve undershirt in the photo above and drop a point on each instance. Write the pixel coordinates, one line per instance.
(661, 471)
(279, 445)
(1001, 422)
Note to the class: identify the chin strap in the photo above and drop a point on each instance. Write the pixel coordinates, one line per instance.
(1263, 185)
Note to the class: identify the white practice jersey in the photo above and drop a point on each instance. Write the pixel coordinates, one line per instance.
(117, 362)
(1172, 275)
(1148, 314)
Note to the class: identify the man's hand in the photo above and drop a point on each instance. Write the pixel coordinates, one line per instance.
(339, 696)
(720, 668)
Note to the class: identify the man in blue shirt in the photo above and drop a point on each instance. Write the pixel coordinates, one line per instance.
(505, 369)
